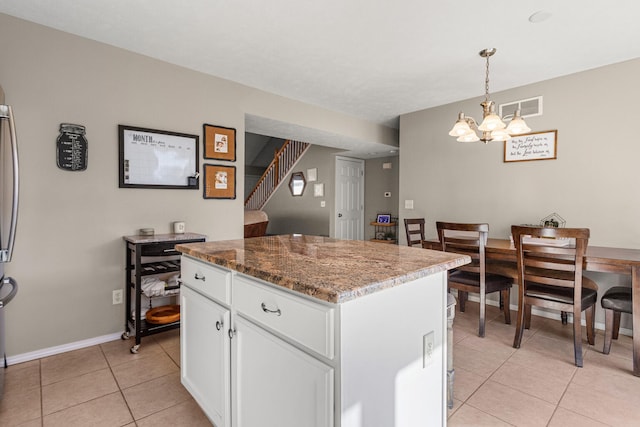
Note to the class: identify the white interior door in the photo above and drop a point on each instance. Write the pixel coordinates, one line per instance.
(349, 221)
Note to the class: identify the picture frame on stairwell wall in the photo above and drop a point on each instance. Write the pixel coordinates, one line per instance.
(219, 142)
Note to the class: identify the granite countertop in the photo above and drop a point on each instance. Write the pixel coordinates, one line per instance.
(158, 238)
(327, 269)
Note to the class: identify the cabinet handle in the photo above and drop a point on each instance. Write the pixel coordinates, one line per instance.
(277, 312)
(232, 332)
(198, 277)
(219, 325)
(169, 250)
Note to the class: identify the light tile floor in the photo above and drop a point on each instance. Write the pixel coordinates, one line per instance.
(103, 385)
(496, 385)
(538, 384)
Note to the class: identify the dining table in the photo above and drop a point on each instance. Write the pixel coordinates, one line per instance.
(603, 259)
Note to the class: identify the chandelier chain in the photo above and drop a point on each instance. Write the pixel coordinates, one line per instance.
(486, 82)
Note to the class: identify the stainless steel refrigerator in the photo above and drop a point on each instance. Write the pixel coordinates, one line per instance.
(8, 216)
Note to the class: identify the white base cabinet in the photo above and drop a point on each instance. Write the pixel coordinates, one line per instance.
(205, 355)
(288, 360)
(276, 384)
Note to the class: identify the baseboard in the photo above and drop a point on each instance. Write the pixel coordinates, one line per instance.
(535, 311)
(33, 355)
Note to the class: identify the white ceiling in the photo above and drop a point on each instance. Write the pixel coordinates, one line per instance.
(373, 59)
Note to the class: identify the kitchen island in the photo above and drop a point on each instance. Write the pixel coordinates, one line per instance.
(309, 331)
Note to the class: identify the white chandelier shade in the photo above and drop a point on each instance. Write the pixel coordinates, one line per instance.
(492, 127)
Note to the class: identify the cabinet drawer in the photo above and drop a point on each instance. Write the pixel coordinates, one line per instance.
(207, 279)
(303, 321)
(159, 249)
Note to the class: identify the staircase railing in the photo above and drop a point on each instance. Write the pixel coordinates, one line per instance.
(283, 161)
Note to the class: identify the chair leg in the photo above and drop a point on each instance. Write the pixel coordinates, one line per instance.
(608, 330)
(527, 316)
(483, 309)
(577, 336)
(616, 324)
(462, 299)
(563, 316)
(505, 296)
(517, 340)
(590, 321)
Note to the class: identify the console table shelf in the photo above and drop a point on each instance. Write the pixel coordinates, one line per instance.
(148, 256)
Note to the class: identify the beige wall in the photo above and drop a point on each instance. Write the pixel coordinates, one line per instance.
(591, 184)
(377, 182)
(303, 214)
(69, 255)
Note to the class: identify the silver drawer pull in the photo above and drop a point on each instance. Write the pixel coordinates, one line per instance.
(266, 310)
(219, 325)
(198, 277)
(169, 250)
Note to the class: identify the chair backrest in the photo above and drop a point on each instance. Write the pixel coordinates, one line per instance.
(466, 239)
(414, 227)
(551, 256)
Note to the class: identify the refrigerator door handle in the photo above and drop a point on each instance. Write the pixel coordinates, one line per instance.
(5, 300)
(7, 113)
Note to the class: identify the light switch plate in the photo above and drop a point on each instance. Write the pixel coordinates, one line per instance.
(408, 204)
(428, 349)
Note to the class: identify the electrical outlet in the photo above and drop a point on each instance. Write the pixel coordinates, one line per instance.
(428, 349)
(116, 296)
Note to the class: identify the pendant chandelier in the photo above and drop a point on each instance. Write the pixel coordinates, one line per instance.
(492, 127)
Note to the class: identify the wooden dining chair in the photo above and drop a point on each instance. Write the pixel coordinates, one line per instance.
(470, 239)
(550, 276)
(615, 301)
(414, 227)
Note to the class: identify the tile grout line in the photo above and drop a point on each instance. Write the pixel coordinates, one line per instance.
(118, 384)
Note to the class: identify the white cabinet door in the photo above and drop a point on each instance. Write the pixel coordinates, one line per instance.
(276, 384)
(204, 354)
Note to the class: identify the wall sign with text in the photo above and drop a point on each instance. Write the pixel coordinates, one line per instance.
(532, 146)
(72, 147)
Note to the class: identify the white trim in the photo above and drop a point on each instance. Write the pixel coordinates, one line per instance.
(548, 314)
(33, 355)
(519, 102)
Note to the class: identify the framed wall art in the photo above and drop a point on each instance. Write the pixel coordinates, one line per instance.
(532, 146)
(219, 182)
(151, 158)
(219, 142)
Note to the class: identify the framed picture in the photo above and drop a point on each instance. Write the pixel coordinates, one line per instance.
(219, 182)
(318, 190)
(312, 174)
(383, 218)
(219, 142)
(532, 146)
(150, 158)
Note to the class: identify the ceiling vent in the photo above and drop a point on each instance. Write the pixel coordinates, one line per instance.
(528, 107)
